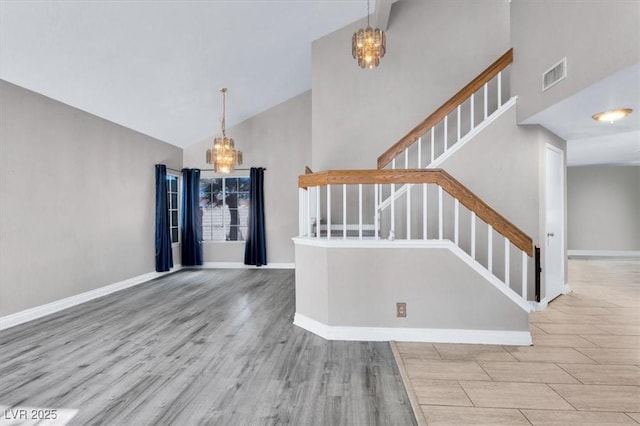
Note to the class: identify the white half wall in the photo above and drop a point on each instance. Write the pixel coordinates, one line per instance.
(359, 288)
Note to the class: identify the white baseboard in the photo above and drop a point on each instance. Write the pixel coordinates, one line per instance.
(240, 265)
(542, 304)
(31, 314)
(433, 335)
(603, 253)
(539, 306)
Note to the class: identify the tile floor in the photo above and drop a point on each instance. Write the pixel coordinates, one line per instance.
(583, 367)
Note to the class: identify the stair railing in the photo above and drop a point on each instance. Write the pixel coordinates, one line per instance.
(435, 135)
(328, 212)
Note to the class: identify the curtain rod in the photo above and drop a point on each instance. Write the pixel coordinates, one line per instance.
(209, 170)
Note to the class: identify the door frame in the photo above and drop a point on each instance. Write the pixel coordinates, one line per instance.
(562, 224)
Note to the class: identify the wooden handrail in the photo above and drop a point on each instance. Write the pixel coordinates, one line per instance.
(446, 108)
(436, 176)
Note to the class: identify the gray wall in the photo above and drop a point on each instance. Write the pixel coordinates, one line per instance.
(434, 48)
(280, 140)
(360, 288)
(597, 38)
(604, 208)
(78, 195)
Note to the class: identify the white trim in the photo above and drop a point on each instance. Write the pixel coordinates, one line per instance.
(604, 253)
(434, 335)
(539, 306)
(428, 244)
(542, 304)
(223, 242)
(456, 147)
(59, 305)
(370, 242)
(340, 227)
(562, 223)
(240, 265)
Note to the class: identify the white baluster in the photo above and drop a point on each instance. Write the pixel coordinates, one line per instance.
(473, 234)
(393, 164)
(409, 212)
(328, 212)
(524, 275)
(499, 89)
(360, 211)
(446, 143)
(440, 221)
(472, 107)
(393, 210)
(344, 211)
(486, 100)
(506, 261)
(309, 229)
(459, 114)
(420, 152)
(318, 212)
(406, 158)
(433, 144)
(424, 211)
(490, 248)
(376, 213)
(456, 213)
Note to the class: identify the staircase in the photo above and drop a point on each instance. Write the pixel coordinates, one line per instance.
(408, 202)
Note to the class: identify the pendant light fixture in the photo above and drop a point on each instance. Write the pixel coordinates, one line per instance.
(368, 45)
(224, 156)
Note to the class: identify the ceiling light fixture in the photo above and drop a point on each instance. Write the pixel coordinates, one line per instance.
(224, 156)
(368, 45)
(613, 115)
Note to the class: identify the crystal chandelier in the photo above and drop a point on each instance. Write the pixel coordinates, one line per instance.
(223, 156)
(368, 45)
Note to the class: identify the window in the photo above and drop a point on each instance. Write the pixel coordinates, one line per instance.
(224, 205)
(172, 194)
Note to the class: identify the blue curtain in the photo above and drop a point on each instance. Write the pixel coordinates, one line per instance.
(191, 243)
(255, 250)
(164, 255)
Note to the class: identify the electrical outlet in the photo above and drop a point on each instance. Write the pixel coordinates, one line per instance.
(401, 310)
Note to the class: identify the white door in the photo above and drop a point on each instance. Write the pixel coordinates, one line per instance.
(554, 224)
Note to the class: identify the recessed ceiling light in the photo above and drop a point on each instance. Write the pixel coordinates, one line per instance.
(613, 115)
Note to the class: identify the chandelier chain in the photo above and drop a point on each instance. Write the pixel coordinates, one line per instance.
(224, 110)
(368, 13)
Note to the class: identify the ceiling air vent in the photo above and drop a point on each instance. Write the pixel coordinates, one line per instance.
(554, 75)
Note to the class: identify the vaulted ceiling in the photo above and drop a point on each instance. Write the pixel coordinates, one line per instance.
(156, 66)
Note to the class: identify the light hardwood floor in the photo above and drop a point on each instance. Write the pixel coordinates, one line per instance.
(198, 347)
(584, 366)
